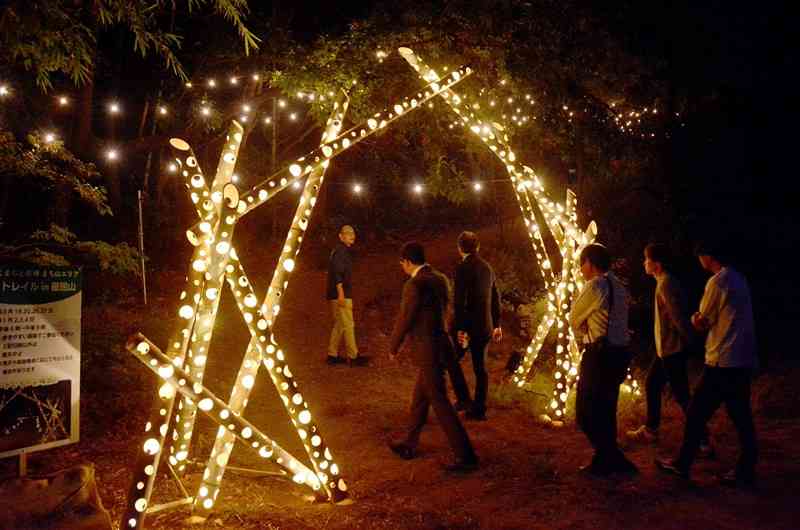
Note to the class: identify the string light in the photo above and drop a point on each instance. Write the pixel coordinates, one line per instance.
(477, 186)
(281, 103)
(171, 167)
(293, 116)
(4, 90)
(417, 188)
(357, 189)
(162, 110)
(114, 107)
(63, 100)
(112, 155)
(49, 138)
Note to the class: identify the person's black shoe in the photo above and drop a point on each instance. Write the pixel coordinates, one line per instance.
(462, 405)
(474, 415)
(734, 480)
(462, 466)
(595, 469)
(672, 468)
(361, 360)
(333, 360)
(402, 450)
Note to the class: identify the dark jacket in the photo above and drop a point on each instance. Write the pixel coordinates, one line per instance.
(477, 305)
(340, 270)
(424, 318)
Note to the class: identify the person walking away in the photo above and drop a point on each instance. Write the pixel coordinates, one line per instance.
(423, 319)
(340, 298)
(477, 322)
(674, 338)
(730, 358)
(599, 317)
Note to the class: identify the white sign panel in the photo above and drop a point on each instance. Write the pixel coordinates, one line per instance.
(40, 360)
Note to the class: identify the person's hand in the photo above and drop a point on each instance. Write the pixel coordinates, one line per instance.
(341, 302)
(497, 334)
(463, 338)
(700, 322)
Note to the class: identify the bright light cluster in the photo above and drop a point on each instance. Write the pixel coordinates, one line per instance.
(215, 260)
(561, 221)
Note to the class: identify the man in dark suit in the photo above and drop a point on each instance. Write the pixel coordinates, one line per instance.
(477, 309)
(423, 319)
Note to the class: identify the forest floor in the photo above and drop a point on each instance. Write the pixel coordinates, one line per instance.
(528, 475)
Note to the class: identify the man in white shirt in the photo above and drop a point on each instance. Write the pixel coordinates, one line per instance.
(726, 313)
(599, 317)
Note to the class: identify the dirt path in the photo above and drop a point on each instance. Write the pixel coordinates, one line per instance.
(528, 476)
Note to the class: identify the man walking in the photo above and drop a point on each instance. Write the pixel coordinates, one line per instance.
(340, 299)
(599, 316)
(423, 319)
(477, 321)
(726, 314)
(674, 335)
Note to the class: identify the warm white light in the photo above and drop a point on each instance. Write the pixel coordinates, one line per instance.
(256, 77)
(281, 103)
(112, 154)
(162, 110)
(293, 116)
(113, 108)
(267, 120)
(172, 168)
(296, 185)
(212, 83)
(205, 111)
(477, 186)
(49, 138)
(357, 188)
(234, 80)
(4, 90)
(417, 188)
(245, 108)
(188, 84)
(234, 178)
(63, 100)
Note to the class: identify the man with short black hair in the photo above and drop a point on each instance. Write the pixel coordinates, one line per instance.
(726, 314)
(477, 321)
(340, 298)
(599, 317)
(423, 319)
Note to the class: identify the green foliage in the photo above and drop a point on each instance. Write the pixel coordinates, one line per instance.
(59, 36)
(49, 167)
(58, 246)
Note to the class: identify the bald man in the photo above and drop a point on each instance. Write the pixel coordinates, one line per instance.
(340, 298)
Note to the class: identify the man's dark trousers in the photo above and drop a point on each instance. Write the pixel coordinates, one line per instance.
(732, 387)
(670, 369)
(478, 350)
(601, 372)
(430, 391)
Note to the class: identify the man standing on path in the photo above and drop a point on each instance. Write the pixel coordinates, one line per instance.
(674, 335)
(424, 319)
(477, 321)
(726, 313)
(340, 298)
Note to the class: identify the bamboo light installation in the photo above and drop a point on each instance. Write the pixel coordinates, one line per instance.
(215, 261)
(562, 223)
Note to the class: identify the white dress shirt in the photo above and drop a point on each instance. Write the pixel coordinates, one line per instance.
(589, 313)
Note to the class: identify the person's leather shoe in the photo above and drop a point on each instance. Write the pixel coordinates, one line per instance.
(671, 468)
(361, 360)
(462, 466)
(402, 450)
(333, 360)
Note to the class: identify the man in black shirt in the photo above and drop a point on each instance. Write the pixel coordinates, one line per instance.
(340, 298)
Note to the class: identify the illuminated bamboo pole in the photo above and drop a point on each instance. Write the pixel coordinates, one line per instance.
(332, 147)
(176, 379)
(146, 467)
(269, 310)
(213, 269)
(555, 217)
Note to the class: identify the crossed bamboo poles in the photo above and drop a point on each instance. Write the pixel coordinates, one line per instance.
(215, 261)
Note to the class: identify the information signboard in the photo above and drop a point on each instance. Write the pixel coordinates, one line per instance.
(40, 361)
